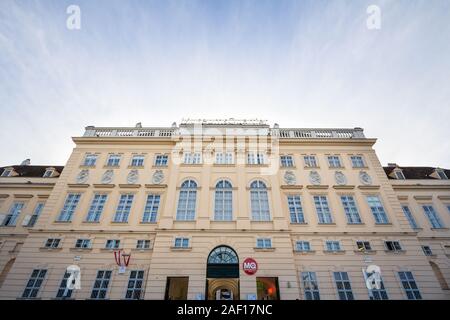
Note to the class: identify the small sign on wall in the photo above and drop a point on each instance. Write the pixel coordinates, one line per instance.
(250, 266)
(251, 296)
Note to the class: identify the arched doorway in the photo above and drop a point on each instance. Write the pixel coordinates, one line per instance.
(222, 274)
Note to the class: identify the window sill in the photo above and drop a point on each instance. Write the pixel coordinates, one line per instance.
(337, 168)
(327, 223)
(141, 250)
(91, 222)
(224, 165)
(383, 224)
(50, 249)
(356, 224)
(288, 167)
(135, 167)
(299, 223)
(87, 167)
(180, 249)
(62, 222)
(223, 221)
(251, 165)
(9, 226)
(334, 251)
(264, 249)
(304, 252)
(110, 249)
(80, 249)
(431, 256)
(148, 222)
(111, 167)
(191, 164)
(395, 251)
(20, 298)
(159, 167)
(365, 167)
(119, 222)
(365, 252)
(312, 168)
(439, 229)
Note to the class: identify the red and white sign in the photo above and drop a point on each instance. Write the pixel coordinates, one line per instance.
(250, 266)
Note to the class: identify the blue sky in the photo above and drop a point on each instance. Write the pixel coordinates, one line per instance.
(298, 63)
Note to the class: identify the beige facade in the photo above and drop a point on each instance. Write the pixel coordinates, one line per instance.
(269, 237)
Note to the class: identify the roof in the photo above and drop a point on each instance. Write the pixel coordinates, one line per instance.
(415, 172)
(31, 170)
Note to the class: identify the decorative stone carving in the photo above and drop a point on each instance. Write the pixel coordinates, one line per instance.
(83, 176)
(365, 178)
(132, 177)
(340, 178)
(314, 178)
(158, 177)
(107, 177)
(289, 178)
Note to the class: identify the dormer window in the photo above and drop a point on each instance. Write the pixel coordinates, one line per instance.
(441, 174)
(399, 175)
(7, 172)
(48, 173)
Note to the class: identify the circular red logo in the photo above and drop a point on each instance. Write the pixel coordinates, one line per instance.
(250, 266)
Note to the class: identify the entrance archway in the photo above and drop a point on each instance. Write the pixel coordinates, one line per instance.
(222, 274)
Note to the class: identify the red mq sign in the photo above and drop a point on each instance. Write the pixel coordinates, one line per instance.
(250, 266)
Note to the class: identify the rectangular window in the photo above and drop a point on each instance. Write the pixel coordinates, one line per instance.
(34, 283)
(343, 286)
(96, 208)
(181, 243)
(192, 158)
(287, 161)
(310, 285)
(322, 209)
(357, 162)
(442, 175)
(334, 162)
(351, 211)
(123, 208)
(69, 207)
(137, 161)
(161, 160)
(134, 287)
(13, 214)
(83, 243)
(36, 213)
(310, 161)
(433, 217)
(295, 209)
(143, 244)
(303, 246)
(255, 158)
(48, 174)
(399, 175)
(264, 243)
(333, 246)
(63, 291)
(6, 172)
(151, 208)
(393, 246)
(224, 158)
(101, 283)
(427, 250)
(409, 285)
(90, 160)
(112, 244)
(377, 209)
(363, 246)
(52, 243)
(113, 160)
(377, 294)
(410, 217)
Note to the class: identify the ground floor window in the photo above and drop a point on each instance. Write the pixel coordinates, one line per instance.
(176, 288)
(267, 288)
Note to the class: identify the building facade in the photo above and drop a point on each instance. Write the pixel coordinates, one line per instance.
(224, 210)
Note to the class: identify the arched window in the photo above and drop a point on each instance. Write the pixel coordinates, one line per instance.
(187, 200)
(259, 201)
(223, 204)
(223, 255)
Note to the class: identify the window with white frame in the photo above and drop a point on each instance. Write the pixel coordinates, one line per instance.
(377, 294)
(310, 285)
(393, 246)
(255, 158)
(187, 201)
(90, 160)
(7, 172)
(351, 210)
(36, 213)
(263, 243)
(310, 161)
(322, 209)
(135, 285)
(334, 162)
(96, 208)
(287, 161)
(223, 201)
(143, 244)
(34, 283)
(63, 291)
(11, 218)
(48, 173)
(137, 160)
(101, 284)
(151, 208)
(161, 160)
(112, 244)
(69, 207)
(363, 246)
(302, 246)
(83, 243)
(331, 245)
(399, 175)
(377, 209)
(52, 243)
(427, 250)
(441, 174)
(344, 288)
(295, 209)
(124, 208)
(259, 201)
(357, 162)
(409, 285)
(409, 216)
(192, 158)
(433, 217)
(224, 158)
(181, 242)
(113, 160)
